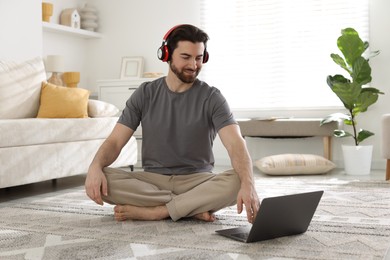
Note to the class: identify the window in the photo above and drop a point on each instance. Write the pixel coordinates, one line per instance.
(275, 54)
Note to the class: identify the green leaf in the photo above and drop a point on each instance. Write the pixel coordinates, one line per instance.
(336, 117)
(373, 54)
(340, 61)
(331, 80)
(366, 45)
(348, 121)
(341, 133)
(373, 90)
(363, 134)
(365, 99)
(350, 44)
(347, 93)
(361, 71)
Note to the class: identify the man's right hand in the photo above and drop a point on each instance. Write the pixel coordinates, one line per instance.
(96, 185)
(96, 182)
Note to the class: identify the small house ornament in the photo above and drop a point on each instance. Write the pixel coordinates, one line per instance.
(70, 17)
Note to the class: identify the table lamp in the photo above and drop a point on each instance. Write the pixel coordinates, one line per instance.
(55, 64)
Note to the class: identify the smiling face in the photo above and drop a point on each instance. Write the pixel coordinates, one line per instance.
(186, 60)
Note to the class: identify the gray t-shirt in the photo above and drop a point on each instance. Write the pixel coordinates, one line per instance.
(178, 129)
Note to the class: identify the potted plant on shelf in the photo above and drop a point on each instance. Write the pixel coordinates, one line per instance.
(355, 96)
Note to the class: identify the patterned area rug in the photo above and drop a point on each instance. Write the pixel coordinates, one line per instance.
(351, 222)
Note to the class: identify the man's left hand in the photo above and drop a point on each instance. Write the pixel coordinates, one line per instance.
(247, 196)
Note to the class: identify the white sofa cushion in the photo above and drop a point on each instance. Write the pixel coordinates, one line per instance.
(33, 131)
(20, 87)
(29, 164)
(98, 108)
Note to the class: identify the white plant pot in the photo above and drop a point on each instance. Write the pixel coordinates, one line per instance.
(357, 159)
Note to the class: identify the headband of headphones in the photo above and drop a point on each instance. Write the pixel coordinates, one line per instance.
(163, 52)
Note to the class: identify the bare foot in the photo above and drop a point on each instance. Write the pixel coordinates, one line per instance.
(205, 216)
(124, 212)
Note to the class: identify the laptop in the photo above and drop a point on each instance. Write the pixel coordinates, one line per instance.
(277, 217)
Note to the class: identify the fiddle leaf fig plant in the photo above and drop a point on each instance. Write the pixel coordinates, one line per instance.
(351, 90)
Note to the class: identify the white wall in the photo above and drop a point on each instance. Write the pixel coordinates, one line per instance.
(22, 38)
(20, 27)
(135, 28)
(379, 40)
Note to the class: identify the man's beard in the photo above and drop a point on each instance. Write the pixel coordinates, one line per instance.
(183, 77)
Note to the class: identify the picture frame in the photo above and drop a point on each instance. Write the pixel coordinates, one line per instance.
(132, 67)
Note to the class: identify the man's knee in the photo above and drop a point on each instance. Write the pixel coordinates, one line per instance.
(113, 172)
(233, 179)
(233, 184)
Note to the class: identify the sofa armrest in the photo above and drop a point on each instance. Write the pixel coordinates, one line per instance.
(385, 143)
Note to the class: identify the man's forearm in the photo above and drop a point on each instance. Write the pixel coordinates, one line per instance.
(242, 164)
(105, 156)
(239, 156)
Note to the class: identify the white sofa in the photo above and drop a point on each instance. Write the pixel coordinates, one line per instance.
(38, 149)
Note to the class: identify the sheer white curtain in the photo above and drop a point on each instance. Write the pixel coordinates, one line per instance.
(275, 54)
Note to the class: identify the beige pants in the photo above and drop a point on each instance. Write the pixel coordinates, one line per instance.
(184, 195)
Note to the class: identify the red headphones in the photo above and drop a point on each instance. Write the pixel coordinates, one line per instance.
(163, 52)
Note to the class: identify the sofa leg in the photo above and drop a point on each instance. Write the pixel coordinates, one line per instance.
(132, 168)
(388, 170)
(54, 182)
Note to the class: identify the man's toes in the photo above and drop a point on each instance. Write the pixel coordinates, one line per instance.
(205, 216)
(118, 213)
(119, 216)
(210, 217)
(118, 208)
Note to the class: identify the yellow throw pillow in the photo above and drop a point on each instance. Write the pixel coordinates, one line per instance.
(63, 102)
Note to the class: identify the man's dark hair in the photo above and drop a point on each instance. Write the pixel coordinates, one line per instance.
(185, 32)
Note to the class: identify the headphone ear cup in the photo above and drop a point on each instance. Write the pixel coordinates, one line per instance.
(206, 56)
(163, 53)
(166, 54)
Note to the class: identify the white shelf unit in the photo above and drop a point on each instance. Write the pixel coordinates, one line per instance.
(118, 91)
(62, 29)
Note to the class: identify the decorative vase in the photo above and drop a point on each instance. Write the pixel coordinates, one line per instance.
(71, 79)
(89, 18)
(47, 11)
(55, 79)
(357, 159)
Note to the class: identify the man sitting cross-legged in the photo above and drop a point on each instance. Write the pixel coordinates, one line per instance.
(180, 117)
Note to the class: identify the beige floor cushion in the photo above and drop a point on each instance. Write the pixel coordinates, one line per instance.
(293, 164)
